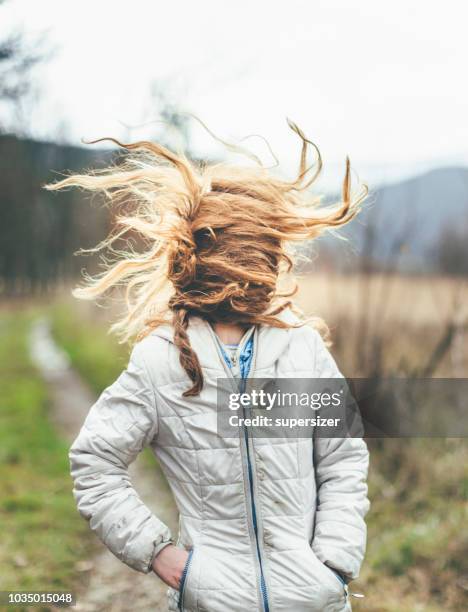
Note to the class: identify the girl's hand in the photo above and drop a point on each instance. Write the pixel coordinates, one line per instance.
(169, 565)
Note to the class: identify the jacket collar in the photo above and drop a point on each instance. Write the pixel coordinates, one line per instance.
(271, 341)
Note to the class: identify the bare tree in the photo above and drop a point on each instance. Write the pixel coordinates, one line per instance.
(451, 252)
(17, 59)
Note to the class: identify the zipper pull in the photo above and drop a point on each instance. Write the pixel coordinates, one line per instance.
(234, 359)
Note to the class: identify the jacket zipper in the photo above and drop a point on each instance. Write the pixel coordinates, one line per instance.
(254, 516)
(183, 578)
(263, 588)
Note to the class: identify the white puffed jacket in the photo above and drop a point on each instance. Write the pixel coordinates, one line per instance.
(264, 519)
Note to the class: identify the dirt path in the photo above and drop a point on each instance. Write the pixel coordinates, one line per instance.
(112, 585)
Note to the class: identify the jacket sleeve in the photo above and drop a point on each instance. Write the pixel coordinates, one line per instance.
(118, 426)
(341, 466)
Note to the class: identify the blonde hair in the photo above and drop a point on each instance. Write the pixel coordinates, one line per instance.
(215, 239)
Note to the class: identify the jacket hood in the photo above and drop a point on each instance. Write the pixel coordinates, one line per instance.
(272, 340)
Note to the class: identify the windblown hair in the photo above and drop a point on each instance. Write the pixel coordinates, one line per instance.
(215, 239)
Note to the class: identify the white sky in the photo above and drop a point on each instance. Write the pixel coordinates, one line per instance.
(385, 82)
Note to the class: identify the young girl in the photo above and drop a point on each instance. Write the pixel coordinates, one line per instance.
(265, 524)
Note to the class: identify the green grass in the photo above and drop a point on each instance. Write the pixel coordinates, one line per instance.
(417, 542)
(42, 535)
(95, 354)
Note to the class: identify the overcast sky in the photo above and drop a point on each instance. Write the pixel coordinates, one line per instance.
(385, 82)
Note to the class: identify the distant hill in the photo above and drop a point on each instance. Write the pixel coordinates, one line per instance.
(403, 223)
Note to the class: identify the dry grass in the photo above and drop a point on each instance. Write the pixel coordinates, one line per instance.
(409, 300)
(404, 319)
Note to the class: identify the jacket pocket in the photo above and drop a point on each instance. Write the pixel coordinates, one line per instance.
(183, 579)
(329, 579)
(338, 576)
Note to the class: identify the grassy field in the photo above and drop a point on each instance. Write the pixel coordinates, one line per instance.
(417, 549)
(416, 556)
(401, 322)
(42, 536)
(93, 352)
(411, 301)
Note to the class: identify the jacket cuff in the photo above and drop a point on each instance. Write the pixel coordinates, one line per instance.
(346, 564)
(157, 549)
(139, 551)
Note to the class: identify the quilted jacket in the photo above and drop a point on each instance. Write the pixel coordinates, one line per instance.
(264, 520)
